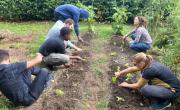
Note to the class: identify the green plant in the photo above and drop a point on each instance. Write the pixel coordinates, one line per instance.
(119, 18)
(59, 92)
(160, 27)
(90, 19)
(120, 99)
(114, 80)
(129, 76)
(171, 57)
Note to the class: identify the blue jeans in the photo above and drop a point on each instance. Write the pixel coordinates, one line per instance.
(157, 93)
(58, 16)
(35, 87)
(140, 47)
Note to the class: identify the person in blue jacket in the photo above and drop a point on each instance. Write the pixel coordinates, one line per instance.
(66, 11)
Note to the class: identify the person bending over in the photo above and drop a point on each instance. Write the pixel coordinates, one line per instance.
(53, 50)
(157, 81)
(55, 32)
(66, 11)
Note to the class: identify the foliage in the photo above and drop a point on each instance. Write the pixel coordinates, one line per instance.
(59, 92)
(119, 18)
(28, 9)
(161, 29)
(91, 17)
(120, 99)
(171, 57)
(114, 80)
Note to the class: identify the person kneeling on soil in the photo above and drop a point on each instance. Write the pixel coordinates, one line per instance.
(55, 32)
(53, 50)
(157, 82)
(15, 79)
(141, 40)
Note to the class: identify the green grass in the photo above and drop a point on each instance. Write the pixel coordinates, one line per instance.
(40, 29)
(104, 33)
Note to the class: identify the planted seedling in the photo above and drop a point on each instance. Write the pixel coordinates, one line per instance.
(114, 79)
(118, 69)
(120, 99)
(128, 76)
(126, 65)
(113, 54)
(59, 92)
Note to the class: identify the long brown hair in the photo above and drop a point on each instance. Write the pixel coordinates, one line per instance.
(142, 21)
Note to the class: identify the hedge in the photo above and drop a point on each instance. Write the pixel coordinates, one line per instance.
(43, 9)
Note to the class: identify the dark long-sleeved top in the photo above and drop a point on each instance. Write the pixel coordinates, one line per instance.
(70, 11)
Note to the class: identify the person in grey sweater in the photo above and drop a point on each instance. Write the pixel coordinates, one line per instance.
(141, 40)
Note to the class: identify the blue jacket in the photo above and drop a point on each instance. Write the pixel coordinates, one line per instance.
(73, 12)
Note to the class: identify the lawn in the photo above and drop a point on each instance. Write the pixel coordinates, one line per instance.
(40, 29)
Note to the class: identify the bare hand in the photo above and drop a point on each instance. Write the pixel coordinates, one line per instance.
(80, 39)
(124, 38)
(117, 74)
(79, 49)
(39, 56)
(78, 58)
(123, 84)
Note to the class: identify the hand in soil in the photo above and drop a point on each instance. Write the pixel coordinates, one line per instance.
(123, 84)
(78, 58)
(117, 74)
(67, 65)
(80, 39)
(79, 49)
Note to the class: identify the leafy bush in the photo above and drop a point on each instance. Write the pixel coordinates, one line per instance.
(91, 17)
(28, 9)
(171, 54)
(119, 17)
(171, 57)
(161, 28)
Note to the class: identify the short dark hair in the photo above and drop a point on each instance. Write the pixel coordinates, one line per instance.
(69, 21)
(65, 31)
(4, 55)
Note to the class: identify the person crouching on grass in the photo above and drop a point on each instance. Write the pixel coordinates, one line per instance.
(15, 79)
(141, 40)
(53, 50)
(157, 82)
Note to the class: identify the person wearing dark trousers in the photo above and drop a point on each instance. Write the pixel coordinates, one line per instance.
(15, 79)
(66, 11)
(53, 50)
(157, 82)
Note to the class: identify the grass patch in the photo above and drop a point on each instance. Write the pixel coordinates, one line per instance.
(5, 104)
(102, 105)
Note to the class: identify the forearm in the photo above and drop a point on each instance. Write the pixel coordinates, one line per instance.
(35, 61)
(129, 33)
(76, 29)
(128, 70)
(73, 57)
(132, 86)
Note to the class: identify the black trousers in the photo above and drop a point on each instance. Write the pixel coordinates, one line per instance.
(35, 87)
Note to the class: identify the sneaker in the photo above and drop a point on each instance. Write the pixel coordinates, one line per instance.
(161, 105)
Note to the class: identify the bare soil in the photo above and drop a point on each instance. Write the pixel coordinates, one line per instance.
(7, 36)
(71, 81)
(133, 100)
